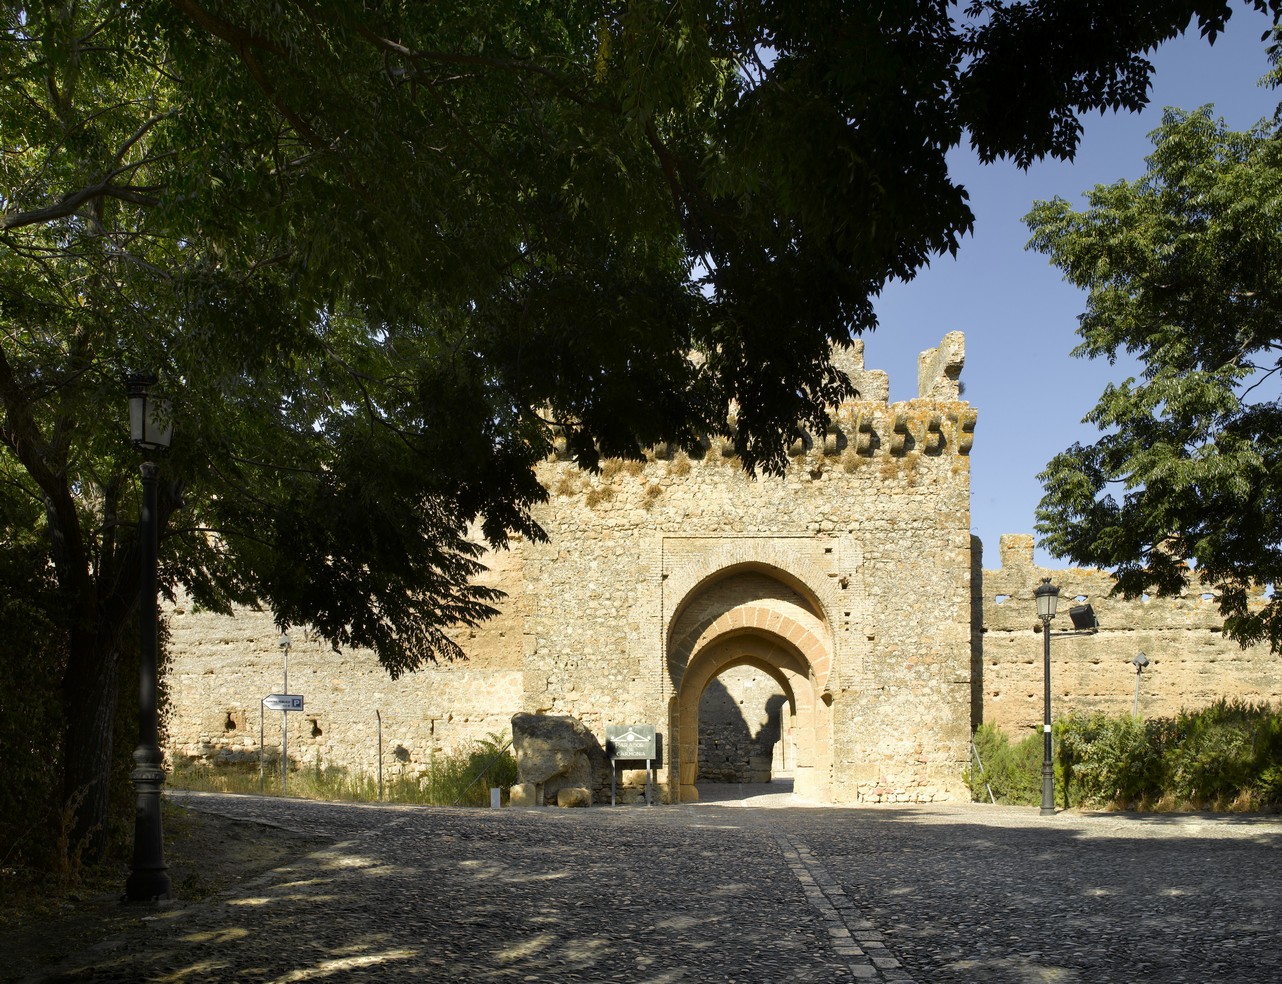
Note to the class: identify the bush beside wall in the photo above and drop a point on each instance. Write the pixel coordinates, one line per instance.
(1227, 756)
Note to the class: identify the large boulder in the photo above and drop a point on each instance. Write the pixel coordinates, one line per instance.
(557, 752)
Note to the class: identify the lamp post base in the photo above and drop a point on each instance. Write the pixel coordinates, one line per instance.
(1048, 790)
(148, 880)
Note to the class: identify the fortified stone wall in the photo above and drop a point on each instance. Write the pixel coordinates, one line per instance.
(222, 668)
(673, 583)
(641, 594)
(1191, 663)
(658, 576)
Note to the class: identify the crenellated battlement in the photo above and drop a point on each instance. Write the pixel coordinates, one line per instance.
(937, 422)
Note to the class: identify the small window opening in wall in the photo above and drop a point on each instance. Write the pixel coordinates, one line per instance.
(827, 550)
(230, 723)
(1002, 599)
(1080, 598)
(316, 729)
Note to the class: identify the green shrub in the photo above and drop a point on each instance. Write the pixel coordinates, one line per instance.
(1109, 760)
(1227, 756)
(461, 778)
(1012, 772)
(464, 778)
(1227, 753)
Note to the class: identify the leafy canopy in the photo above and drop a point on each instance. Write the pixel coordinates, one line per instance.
(380, 253)
(1183, 270)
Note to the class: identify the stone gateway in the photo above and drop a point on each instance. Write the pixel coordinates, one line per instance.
(834, 623)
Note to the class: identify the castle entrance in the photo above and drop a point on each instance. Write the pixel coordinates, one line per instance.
(749, 654)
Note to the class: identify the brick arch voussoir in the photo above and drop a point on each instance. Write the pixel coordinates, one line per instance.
(749, 619)
(746, 649)
(689, 582)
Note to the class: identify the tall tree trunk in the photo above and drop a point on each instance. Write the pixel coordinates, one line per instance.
(91, 690)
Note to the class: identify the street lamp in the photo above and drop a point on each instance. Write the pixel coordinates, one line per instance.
(150, 427)
(1047, 596)
(1139, 662)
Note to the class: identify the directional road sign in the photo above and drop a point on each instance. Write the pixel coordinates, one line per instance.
(283, 702)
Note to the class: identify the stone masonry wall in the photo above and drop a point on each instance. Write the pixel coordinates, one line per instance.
(879, 501)
(223, 667)
(1191, 663)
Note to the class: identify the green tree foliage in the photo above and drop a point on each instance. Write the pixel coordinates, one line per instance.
(1183, 270)
(380, 254)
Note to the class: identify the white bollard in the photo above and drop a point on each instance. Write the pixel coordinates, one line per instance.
(495, 797)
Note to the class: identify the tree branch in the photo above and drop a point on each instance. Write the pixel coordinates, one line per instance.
(21, 433)
(69, 205)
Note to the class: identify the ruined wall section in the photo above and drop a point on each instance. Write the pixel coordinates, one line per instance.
(1191, 662)
(222, 667)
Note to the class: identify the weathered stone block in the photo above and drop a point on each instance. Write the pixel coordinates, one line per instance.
(573, 796)
(523, 794)
(557, 751)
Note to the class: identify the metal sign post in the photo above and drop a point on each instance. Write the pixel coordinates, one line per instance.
(636, 742)
(284, 716)
(285, 703)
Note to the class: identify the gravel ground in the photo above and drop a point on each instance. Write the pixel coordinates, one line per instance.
(765, 892)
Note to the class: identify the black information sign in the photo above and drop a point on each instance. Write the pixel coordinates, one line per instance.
(633, 741)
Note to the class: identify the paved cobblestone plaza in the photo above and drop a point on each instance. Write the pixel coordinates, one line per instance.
(753, 892)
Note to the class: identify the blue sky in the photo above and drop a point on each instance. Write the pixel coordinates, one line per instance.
(1019, 317)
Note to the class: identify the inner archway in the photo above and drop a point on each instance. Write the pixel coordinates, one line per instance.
(745, 727)
(776, 656)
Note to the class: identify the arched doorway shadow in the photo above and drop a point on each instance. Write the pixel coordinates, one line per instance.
(745, 728)
(809, 712)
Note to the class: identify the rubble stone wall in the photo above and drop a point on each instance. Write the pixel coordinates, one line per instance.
(1191, 663)
(221, 668)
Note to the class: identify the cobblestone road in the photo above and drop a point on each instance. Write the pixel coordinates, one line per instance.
(954, 893)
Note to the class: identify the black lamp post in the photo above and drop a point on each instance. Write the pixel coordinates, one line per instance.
(151, 427)
(1047, 596)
